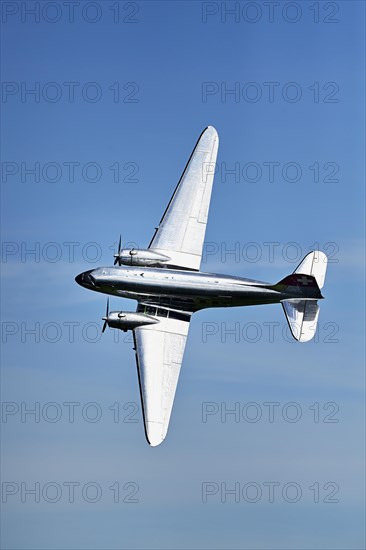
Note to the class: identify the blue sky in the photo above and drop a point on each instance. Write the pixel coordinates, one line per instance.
(174, 65)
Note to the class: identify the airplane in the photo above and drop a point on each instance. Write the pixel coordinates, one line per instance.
(169, 287)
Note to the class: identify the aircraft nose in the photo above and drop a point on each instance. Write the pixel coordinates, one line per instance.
(85, 278)
(79, 278)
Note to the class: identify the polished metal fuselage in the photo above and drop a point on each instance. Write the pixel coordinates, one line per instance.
(179, 289)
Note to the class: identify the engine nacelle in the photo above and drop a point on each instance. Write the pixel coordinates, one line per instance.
(147, 258)
(129, 320)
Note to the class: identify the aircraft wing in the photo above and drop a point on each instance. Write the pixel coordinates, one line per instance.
(159, 355)
(181, 231)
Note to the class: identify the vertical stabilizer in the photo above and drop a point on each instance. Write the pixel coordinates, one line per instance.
(315, 264)
(302, 314)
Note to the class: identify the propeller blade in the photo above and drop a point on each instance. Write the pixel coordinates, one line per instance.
(117, 259)
(105, 319)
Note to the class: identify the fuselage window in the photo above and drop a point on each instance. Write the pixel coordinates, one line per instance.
(162, 312)
(149, 310)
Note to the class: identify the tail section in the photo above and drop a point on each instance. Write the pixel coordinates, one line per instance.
(299, 286)
(302, 311)
(302, 317)
(315, 264)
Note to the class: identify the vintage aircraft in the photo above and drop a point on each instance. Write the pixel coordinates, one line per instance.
(168, 285)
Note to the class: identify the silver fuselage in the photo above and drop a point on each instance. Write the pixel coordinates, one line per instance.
(180, 289)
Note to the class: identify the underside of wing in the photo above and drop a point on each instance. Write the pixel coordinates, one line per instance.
(159, 355)
(181, 231)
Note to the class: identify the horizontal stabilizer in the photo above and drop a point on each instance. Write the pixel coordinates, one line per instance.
(302, 317)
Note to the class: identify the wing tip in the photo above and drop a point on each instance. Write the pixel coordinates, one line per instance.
(211, 130)
(154, 433)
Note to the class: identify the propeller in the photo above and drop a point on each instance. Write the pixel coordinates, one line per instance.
(117, 256)
(105, 319)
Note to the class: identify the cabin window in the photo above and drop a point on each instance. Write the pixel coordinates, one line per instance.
(162, 312)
